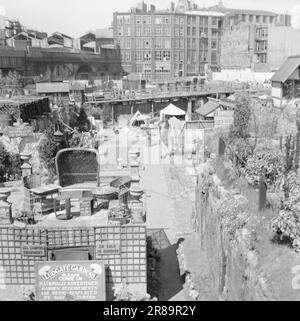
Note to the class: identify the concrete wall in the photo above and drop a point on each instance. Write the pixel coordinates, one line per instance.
(283, 42)
(242, 75)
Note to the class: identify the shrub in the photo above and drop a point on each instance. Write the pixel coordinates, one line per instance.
(10, 165)
(82, 122)
(48, 148)
(288, 221)
(266, 162)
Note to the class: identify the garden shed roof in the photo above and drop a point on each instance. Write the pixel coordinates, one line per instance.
(208, 108)
(284, 72)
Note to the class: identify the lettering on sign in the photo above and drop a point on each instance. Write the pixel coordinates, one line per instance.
(33, 250)
(70, 281)
(22, 131)
(136, 208)
(107, 249)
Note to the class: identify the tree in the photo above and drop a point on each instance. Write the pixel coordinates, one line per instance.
(239, 144)
(242, 115)
(264, 121)
(82, 122)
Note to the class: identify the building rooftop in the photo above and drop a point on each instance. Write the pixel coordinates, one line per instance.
(284, 72)
(221, 8)
(20, 100)
(251, 12)
(205, 13)
(104, 33)
(52, 87)
(208, 108)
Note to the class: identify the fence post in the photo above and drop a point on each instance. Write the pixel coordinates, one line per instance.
(262, 193)
(221, 146)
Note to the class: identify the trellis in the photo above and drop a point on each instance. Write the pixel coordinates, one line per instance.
(129, 264)
(12, 110)
(25, 108)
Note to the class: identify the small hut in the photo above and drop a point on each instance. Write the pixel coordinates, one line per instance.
(139, 119)
(172, 111)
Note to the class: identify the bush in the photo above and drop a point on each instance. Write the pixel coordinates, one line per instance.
(264, 162)
(10, 165)
(288, 221)
(48, 148)
(82, 122)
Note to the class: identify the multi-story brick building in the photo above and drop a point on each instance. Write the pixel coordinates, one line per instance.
(173, 43)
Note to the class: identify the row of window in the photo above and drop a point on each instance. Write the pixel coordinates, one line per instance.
(165, 56)
(163, 31)
(179, 32)
(251, 18)
(203, 20)
(261, 32)
(146, 31)
(262, 58)
(261, 46)
(162, 43)
(166, 19)
(126, 56)
(143, 56)
(179, 43)
(191, 44)
(124, 31)
(123, 20)
(165, 43)
(144, 20)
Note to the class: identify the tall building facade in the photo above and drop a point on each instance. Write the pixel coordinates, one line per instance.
(173, 43)
(245, 42)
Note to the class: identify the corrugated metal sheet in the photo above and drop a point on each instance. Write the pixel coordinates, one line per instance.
(208, 108)
(284, 72)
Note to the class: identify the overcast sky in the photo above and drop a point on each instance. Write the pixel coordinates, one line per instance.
(75, 17)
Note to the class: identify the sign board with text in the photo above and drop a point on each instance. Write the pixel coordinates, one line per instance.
(70, 281)
(19, 131)
(33, 250)
(107, 248)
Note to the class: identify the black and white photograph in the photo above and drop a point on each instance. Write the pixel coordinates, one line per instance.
(149, 152)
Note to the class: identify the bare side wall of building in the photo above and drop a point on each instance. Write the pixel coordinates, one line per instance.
(283, 42)
(235, 45)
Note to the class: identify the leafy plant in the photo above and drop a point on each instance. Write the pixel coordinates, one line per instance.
(82, 122)
(267, 162)
(106, 114)
(121, 293)
(48, 147)
(10, 165)
(239, 145)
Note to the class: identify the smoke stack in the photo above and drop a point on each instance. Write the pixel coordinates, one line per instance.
(152, 8)
(172, 6)
(295, 21)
